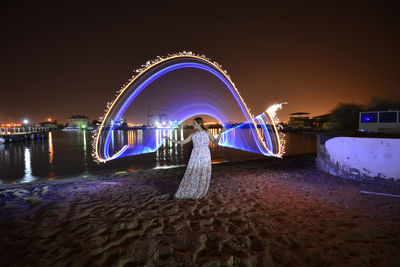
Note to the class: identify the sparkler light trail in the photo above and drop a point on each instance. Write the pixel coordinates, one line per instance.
(261, 135)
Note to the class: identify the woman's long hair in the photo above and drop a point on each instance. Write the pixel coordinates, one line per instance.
(200, 121)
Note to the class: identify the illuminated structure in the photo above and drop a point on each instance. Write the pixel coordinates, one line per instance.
(155, 120)
(78, 121)
(10, 125)
(322, 122)
(380, 121)
(261, 135)
(51, 125)
(117, 123)
(300, 120)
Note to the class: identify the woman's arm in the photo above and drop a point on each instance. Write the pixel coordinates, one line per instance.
(213, 139)
(187, 140)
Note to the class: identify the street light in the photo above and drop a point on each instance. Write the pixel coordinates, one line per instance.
(25, 121)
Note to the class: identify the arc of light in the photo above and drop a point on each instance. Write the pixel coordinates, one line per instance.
(220, 74)
(147, 82)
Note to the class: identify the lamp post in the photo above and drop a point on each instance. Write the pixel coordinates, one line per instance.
(25, 123)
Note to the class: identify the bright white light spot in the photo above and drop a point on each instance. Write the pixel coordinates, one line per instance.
(271, 110)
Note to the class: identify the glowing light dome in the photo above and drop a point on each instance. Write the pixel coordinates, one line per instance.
(219, 100)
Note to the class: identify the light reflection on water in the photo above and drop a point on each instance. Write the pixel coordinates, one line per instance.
(67, 154)
(28, 168)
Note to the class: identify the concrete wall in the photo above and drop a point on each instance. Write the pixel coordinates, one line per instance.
(380, 127)
(359, 158)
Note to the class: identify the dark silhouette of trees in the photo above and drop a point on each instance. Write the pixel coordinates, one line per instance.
(345, 116)
(379, 104)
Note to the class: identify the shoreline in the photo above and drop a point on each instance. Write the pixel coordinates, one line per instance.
(102, 174)
(267, 212)
(109, 172)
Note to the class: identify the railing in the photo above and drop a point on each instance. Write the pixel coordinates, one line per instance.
(22, 130)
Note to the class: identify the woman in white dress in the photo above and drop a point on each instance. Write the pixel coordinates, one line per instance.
(196, 181)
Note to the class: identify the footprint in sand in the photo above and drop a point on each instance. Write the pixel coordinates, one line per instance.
(206, 222)
(208, 247)
(218, 211)
(193, 225)
(170, 211)
(237, 221)
(204, 211)
(228, 247)
(344, 223)
(219, 226)
(277, 213)
(284, 242)
(182, 243)
(257, 243)
(263, 232)
(238, 224)
(231, 210)
(282, 257)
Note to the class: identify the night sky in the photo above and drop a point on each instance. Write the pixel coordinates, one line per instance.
(60, 58)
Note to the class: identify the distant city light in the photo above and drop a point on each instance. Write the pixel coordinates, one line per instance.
(25, 121)
(11, 124)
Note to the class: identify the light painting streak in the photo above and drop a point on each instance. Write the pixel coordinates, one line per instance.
(267, 138)
(381, 194)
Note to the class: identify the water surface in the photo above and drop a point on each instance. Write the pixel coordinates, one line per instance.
(69, 154)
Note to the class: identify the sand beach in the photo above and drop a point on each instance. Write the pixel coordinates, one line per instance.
(270, 212)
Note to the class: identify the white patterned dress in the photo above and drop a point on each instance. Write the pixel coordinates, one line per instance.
(196, 181)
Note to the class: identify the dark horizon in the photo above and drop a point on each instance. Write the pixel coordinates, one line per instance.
(60, 59)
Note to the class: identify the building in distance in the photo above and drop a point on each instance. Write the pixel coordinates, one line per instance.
(78, 122)
(155, 121)
(300, 120)
(323, 122)
(52, 125)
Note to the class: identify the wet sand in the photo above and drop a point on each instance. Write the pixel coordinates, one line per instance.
(272, 212)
